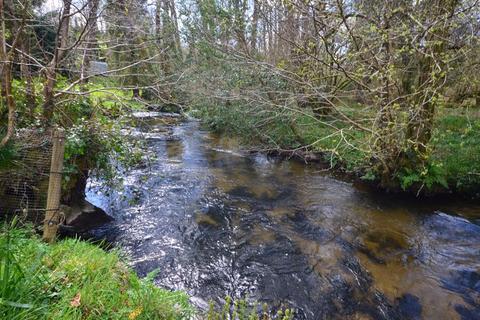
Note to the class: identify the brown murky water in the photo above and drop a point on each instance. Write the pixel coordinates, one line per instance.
(216, 222)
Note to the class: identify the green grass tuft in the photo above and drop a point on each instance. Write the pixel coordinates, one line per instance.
(76, 280)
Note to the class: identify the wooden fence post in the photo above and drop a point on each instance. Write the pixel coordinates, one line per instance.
(52, 214)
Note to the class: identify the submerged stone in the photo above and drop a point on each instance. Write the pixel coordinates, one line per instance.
(409, 307)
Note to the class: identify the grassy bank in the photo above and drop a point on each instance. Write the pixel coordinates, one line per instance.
(453, 164)
(76, 280)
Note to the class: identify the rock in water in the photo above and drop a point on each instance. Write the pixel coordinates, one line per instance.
(84, 216)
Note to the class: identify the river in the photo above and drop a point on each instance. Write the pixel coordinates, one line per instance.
(217, 222)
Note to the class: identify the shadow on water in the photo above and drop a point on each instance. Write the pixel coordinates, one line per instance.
(217, 223)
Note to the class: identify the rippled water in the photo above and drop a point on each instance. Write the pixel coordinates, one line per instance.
(216, 223)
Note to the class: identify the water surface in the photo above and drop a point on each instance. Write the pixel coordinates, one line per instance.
(215, 222)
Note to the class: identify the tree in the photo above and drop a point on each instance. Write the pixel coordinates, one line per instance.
(7, 55)
(61, 48)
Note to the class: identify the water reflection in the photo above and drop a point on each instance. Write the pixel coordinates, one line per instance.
(174, 149)
(217, 222)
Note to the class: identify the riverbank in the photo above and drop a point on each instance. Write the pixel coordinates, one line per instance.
(185, 156)
(74, 279)
(453, 166)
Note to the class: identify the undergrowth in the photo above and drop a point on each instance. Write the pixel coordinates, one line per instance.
(240, 310)
(453, 163)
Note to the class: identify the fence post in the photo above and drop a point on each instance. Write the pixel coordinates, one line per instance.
(52, 216)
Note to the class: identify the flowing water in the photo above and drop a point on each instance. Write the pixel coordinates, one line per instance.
(215, 222)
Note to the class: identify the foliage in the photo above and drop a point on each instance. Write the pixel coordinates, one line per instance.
(453, 165)
(7, 155)
(237, 119)
(288, 130)
(431, 176)
(239, 310)
(359, 82)
(76, 280)
(28, 114)
(93, 122)
(456, 149)
(100, 146)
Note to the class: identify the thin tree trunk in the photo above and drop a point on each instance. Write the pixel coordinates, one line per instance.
(158, 20)
(386, 148)
(264, 37)
(168, 40)
(90, 38)
(176, 33)
(3, 43)
(253, 40)
(51, 69)
(26, 74)
(7, 89)
(420, 122)
(6, 77)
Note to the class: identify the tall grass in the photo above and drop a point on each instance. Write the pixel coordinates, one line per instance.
(76, 280)
(20, 284)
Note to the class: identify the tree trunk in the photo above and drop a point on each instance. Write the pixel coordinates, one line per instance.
(51, 69)
(253, 40)
(420, 123)
(26, 74)
(6, 77)
(136, 92)
(7, 90)
(271, 46)
(168, 41)
(90, 39)
(158, 21)
(176, 33)
(3, 41)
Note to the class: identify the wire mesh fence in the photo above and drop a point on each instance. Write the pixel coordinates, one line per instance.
(24, 183)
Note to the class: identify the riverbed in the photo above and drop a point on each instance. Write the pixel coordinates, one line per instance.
(216, 221)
